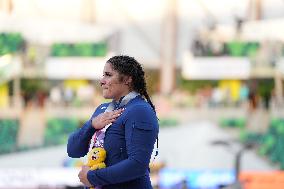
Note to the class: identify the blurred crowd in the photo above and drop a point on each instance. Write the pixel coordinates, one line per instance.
(204, 97)
(60, 95)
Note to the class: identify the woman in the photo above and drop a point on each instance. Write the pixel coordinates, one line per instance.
(126, 128)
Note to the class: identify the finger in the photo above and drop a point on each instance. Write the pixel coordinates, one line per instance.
(85, 167)
(115, 115)
(106, 122)
(107, 113)
(110, 121)
(119, 110)
(105, 117)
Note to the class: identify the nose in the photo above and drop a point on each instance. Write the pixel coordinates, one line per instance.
(102, 82)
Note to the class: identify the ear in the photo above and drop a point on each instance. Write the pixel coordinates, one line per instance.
(128, 80)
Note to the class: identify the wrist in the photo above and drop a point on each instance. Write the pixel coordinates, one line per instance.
(89, 179)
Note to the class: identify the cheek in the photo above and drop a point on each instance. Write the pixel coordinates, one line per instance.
(109, 86)
(109, 83)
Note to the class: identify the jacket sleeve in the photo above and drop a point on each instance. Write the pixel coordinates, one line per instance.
(78, 141)
(140, 135)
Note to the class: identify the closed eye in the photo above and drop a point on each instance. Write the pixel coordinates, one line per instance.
(108, 74)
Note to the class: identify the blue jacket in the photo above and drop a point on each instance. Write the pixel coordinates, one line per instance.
(129, 143)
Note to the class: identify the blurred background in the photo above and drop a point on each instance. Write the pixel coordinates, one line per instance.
(214, 69)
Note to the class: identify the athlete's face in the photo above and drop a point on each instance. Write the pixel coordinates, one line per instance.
(113, 84)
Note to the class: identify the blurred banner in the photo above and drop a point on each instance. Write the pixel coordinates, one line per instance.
(215, 67)
(178, 178)
(36, 177)
(75, 68)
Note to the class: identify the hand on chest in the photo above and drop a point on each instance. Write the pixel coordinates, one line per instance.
(117, 127)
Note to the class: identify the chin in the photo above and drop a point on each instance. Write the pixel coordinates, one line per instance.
(107, 96)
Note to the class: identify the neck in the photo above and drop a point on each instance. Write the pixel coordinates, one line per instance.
(122, 101)
(121, 97)
(118, 100)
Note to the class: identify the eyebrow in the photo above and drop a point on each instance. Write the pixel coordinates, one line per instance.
(107, 72)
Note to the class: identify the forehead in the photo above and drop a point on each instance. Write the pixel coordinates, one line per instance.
(108, 68)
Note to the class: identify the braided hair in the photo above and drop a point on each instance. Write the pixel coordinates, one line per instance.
(128, 66)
